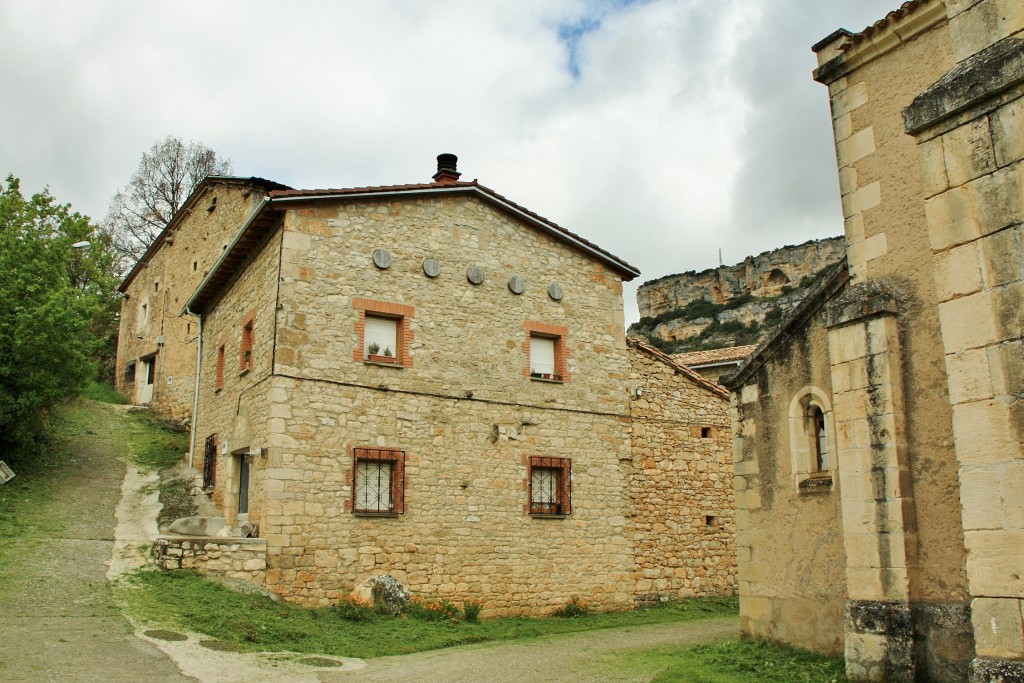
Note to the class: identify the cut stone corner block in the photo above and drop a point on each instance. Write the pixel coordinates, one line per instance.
(879, 639)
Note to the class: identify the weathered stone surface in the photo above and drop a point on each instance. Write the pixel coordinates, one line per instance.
(388, 594)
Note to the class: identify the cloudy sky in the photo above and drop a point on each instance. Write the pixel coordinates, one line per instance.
(662, 130)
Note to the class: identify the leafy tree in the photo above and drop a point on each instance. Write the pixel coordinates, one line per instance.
(166, 176)
(53, 297)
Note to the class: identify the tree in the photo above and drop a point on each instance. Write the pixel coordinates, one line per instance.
(54, 295)
(166, 176)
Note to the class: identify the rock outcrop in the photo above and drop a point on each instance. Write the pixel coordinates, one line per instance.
(764, 275)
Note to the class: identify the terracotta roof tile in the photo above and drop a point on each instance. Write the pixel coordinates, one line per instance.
(712, 356)
(902, 11)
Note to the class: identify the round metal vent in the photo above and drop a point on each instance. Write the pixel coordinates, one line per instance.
(431, 267)
(555, 291)
(475, 274)
(516, 284)
(382, 258)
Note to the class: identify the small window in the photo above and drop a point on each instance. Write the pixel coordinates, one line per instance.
(212, 206)
(247, 346)
(380, 339)
(156, 286)
(384, 332)
(221, 354)
(546, 354)
(210, 462)
(378, 481)
(550, 486)
(705, 432)
(817, 420)
(195, 266)
(129, 373)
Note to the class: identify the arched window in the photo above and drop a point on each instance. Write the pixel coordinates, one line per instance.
(811, 441)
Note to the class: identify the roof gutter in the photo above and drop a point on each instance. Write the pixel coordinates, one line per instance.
(195, 401)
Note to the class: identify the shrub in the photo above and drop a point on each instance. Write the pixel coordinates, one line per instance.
(471, 608)
(354, 608)
(433, 610)
(572, 609)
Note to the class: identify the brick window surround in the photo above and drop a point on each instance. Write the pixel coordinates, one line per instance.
(557, 334)
(247, 347)
(377, 480)
(548, 486)
(221, 359)
(400, 313)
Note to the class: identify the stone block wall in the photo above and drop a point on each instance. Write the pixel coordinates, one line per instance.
(163, 282)
(237, 558)
(682, 521)
(969, 127)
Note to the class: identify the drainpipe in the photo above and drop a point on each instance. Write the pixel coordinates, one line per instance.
(195, 403)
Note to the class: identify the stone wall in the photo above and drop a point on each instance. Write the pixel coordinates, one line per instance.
(237, 558)
(969, 127)
(682, 521)
(763, 275)
(792, 560)
(161, 284)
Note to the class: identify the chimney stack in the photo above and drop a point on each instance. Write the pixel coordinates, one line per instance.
(446, 165)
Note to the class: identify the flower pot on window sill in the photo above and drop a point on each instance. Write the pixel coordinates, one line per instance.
(546, 376)
(377, 358)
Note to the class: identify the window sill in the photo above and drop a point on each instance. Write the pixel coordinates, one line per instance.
(816, 483)
(217, 390)
(550, 380)
(384, 363)
(244, 371)
(545, 515)
(376, 514)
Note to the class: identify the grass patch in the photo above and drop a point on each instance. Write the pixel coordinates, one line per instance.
(155, 443)
(735, 662)
(254, 623)
(104, 393)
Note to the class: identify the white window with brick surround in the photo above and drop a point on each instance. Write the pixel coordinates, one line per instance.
(380, 337)
(542, 355)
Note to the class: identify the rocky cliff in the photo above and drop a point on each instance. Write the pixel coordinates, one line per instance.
(731, 305)
(763, 275)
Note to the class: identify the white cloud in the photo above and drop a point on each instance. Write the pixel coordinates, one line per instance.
(687, 126)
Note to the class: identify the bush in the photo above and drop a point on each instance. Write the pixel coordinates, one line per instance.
(354, 608)
(572, 609)
(433, 610)
(471, 609)
(104, 393)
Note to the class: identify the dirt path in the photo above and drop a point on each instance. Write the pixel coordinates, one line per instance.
(575, 658)
(58, 621)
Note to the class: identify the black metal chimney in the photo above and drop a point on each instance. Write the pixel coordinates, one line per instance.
(446, 169)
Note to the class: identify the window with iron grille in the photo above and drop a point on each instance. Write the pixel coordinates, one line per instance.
(129, 373)
(210, 462)
(378, 481)
(550, 486)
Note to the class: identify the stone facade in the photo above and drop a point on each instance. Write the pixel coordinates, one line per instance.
(682, 522)
(902, 370)
(458, 422)
(156, 351)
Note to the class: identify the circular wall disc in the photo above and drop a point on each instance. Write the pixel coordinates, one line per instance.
(555, 291)
(381, 258)
(475, 274)
(516, 284)
(432, 267)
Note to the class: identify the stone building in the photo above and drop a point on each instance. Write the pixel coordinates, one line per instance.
(430, 381)
(714, 363)
(156, 351)
(878, 434)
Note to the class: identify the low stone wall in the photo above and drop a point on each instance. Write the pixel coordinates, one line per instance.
(236, 558)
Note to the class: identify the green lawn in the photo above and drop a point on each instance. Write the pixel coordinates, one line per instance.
(252, 623)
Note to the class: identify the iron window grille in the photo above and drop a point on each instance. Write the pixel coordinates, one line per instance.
(378, 481)
(210, 462)
(550, 486)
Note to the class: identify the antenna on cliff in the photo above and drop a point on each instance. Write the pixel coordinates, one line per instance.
(720, 257)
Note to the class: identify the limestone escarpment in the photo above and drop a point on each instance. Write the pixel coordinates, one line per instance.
(731, 305)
